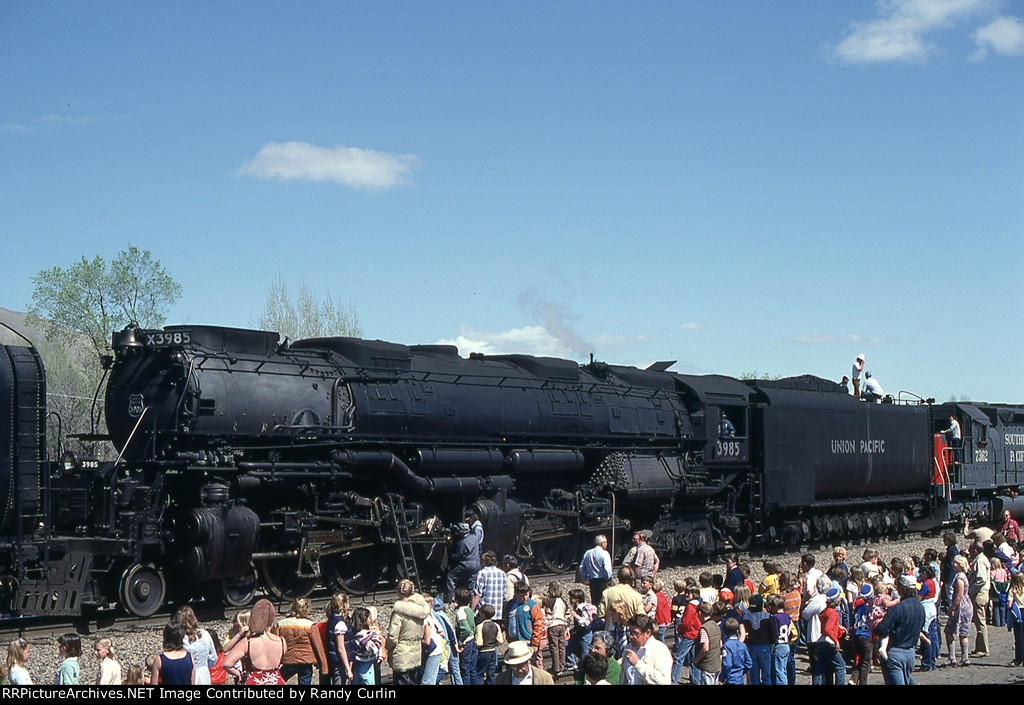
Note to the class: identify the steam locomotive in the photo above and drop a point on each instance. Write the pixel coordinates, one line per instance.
(248, 462)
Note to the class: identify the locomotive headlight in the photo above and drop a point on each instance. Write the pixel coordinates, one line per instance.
(70, 462)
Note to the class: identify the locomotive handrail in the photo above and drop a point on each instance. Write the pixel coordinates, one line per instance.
(131, 436)
(920, 399)
(396, 376)
(184, 391)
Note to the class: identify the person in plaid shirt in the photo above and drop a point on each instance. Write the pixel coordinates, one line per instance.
(489, 586)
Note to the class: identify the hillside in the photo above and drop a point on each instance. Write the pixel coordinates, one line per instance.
(17, 321)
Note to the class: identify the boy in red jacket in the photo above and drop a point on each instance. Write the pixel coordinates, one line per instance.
(830, 658)
(663, 611)
(687, 632)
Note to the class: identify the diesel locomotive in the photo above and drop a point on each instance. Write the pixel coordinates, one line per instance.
(244, 461)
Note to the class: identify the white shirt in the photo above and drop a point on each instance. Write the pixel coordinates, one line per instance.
(654, 666)
(811, 581)
(954, 428)
(19, 675)
(815, 606)
(525, 680)
(873, 387)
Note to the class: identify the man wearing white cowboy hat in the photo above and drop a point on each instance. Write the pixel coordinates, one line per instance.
(519, 671)
(855, 372)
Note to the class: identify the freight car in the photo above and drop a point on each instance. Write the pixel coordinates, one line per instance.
(244, 461)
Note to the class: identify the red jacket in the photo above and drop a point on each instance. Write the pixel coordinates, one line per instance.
(689, 625)
(663, 612)
(830, 626)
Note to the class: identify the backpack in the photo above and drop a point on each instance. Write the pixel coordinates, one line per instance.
(584, 614)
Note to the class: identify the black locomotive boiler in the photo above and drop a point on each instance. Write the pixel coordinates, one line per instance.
(247, 461)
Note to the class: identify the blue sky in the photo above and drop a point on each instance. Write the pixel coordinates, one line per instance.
(737, 186)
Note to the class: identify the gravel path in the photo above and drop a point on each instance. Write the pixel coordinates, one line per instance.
(133, 645)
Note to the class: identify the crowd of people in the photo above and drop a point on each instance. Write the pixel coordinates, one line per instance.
(717, 628)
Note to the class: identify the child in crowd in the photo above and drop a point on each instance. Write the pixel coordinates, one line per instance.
(367, 647)
(782, 631)
(450, 645)
(679, 600)
(792, 601)
(707, 592)
(339, 640)
(147, 677)
(489, 637)
(647, 596)
(133, 676)
(741, 607)
(929, 595)
(770, 584)
(853, 585)
(745, 572)
(581, 626)
(687, 631)
(760, 636)
(110, 669)
(297, 631)
(69, 647)
(465, 628)
(238, 631)
(218, 676)
(1000, 583)
(736, 662)
(555, 611)
(880, 604)
(830, 665)
(1015, 617)
(17, 655)
(383, 644)
(707, 655)
(839, 579)
(663, 612)
(870, 565)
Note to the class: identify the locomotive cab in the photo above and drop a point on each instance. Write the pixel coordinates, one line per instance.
(720, 412)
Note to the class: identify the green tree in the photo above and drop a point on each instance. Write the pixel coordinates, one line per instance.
(92, 298)
(306, 316)
(78, 307)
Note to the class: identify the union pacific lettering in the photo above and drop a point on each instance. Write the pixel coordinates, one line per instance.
(847, 447)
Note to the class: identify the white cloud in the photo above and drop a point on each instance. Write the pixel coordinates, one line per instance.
(1003, 35)
(363, 169)
(900, 32)
(692, 326)
(820, 339)
(530, 340)
(52, 121)
(17, 128)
